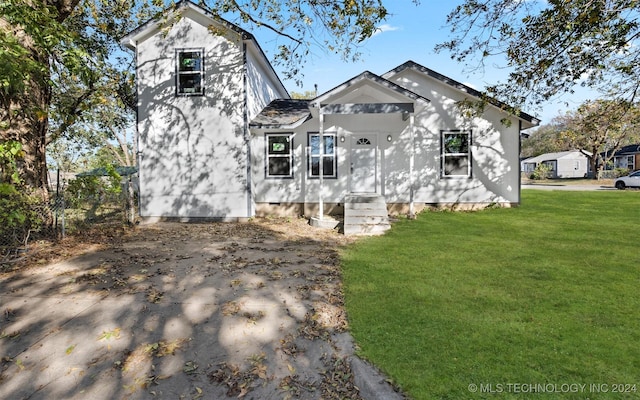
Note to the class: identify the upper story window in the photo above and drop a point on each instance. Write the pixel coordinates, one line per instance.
(279, 155)
(190, 72)
(327, 159)
(456, 153)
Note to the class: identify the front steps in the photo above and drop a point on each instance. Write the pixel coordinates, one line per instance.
(365, 214)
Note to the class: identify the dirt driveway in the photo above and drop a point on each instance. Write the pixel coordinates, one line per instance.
(180, 311)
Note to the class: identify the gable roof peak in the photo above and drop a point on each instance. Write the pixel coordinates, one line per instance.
(153, 25)
(175, 10)
(368, 75)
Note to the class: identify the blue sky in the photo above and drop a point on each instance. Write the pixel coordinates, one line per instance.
(410, 33)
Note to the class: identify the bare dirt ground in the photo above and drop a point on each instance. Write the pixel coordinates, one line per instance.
(180, 311)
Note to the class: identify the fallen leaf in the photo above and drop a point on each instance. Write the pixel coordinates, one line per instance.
(190, 367)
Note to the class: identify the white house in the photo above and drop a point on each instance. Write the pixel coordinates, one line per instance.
(564, 164)
(219, 137)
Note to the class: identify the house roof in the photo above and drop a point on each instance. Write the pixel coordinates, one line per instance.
(289, 114)
(149, 27)
(556, 156)
(283, 114)
(628, 150)
(461, 87)
(367, 75)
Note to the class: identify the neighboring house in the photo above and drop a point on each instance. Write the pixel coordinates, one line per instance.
(565, 164)
(219, 137)
(627, 157)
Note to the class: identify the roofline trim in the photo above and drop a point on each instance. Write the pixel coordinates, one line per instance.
(368, 75)
(459, 86)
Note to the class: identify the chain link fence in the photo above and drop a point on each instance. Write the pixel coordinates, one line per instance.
(72, 209)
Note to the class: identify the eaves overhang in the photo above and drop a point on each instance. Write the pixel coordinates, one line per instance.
(529, 120)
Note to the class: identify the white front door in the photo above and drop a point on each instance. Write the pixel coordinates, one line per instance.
(363, 163)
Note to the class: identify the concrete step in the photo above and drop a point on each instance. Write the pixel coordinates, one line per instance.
(365, 229)
(366, 206)
(363, 212)
(367, 220)
(365, 198)
(365, 215)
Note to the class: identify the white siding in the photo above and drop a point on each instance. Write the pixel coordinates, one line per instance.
(574, 165)
(494, 152)
(262, 88)
(392, 157)
(495, 147)
(193, 159)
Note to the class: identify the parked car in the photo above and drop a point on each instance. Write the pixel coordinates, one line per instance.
(631, 180)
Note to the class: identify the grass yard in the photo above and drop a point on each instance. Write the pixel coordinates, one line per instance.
(500, 303)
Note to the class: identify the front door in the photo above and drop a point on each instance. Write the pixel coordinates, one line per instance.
(363, 164)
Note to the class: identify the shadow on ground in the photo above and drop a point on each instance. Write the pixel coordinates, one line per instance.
(181, 311)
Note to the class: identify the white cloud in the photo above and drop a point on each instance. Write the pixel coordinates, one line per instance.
(384, 28)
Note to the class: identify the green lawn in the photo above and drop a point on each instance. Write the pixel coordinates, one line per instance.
(546, 294)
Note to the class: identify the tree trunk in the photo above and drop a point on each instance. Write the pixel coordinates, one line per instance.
(27, 121)
(25, 105)
(593, 163)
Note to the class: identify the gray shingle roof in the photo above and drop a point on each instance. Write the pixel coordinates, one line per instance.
(282, 113)
(629, 149)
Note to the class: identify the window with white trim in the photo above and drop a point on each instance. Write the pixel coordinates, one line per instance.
(279, 155)
(456, 153)
(190, 72)
(631, 163)
(327, 160)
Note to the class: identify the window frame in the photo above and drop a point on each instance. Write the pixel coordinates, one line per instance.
(269, 156)
(311, 156)
(467, 154)
(179, 88)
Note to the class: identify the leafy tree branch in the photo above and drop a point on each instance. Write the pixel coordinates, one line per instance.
(550, 47)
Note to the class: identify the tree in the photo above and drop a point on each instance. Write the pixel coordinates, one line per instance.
(101, 137)
(550, 46)
(546, 139)
(307, 95)
(55, 66)
(57, 57)
(602, 127)
(335, 26)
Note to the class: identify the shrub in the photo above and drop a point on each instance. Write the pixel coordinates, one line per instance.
(17, 209)
(83, 190)
(542, 171)
(618, 172)
(89, 190)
